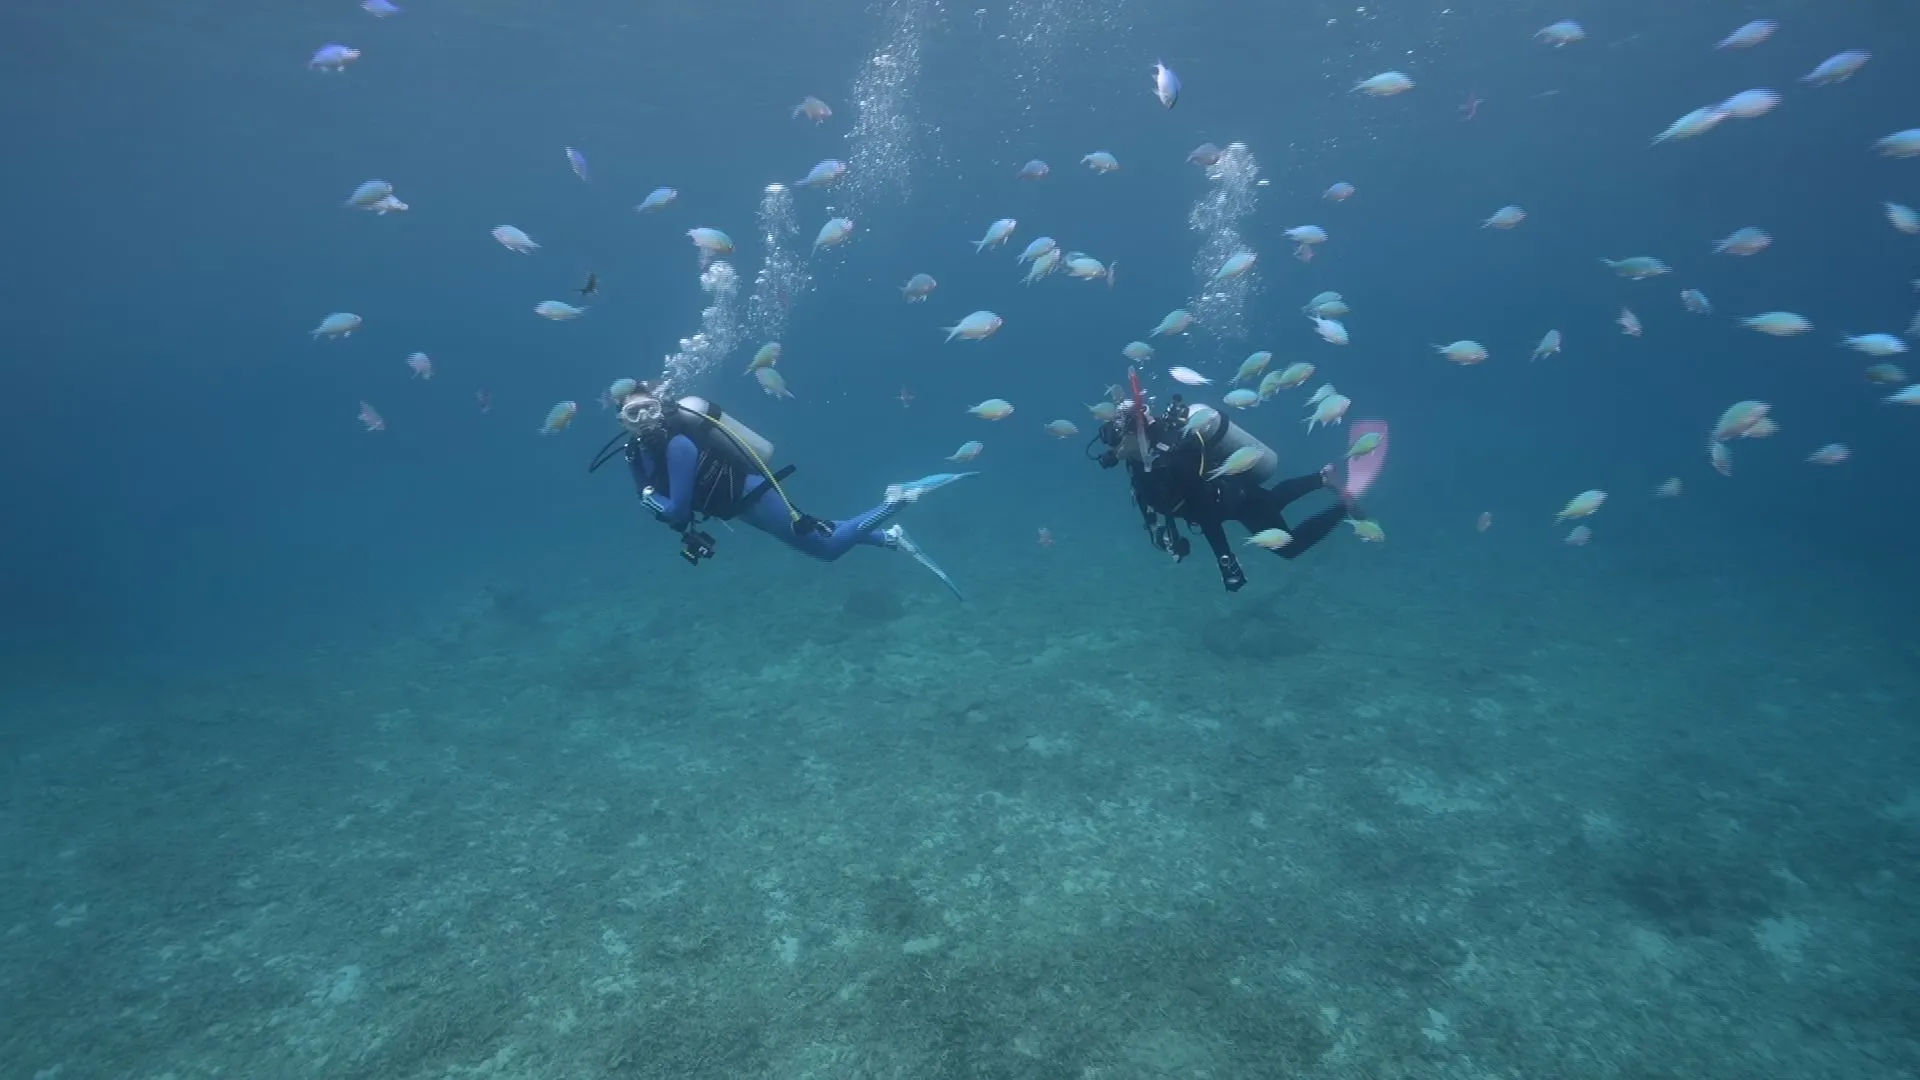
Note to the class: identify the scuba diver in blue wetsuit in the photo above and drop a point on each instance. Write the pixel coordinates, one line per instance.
(692, 461)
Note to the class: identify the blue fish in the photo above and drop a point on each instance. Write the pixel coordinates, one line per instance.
(1166, 85)
(656, 199)
(379, 9)
(579, 162)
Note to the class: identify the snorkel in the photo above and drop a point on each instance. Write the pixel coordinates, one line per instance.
(1140, 420)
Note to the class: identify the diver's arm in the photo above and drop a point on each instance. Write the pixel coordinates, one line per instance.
(683, 458)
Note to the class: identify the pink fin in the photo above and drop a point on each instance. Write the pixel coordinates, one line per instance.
(1364, 470)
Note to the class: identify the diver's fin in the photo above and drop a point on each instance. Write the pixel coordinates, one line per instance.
(913, 489)
(905, 543)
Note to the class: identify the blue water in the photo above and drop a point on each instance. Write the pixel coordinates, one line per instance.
(365, 720)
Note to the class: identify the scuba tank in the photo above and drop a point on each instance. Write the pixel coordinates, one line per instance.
(1220, 437)
(712, 430)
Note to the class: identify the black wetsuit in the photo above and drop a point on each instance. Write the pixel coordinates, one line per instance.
(1176, 489)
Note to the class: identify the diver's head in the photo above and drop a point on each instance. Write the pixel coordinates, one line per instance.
(642, 413)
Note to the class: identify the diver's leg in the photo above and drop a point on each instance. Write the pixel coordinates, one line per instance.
(1287, 491)
(827, 540)
(1313, 530)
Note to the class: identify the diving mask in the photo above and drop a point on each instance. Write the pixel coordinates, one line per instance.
(640, 413)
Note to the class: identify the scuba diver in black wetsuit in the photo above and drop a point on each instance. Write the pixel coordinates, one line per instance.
(1169, 482)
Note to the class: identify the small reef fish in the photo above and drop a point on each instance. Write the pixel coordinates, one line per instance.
(1327, 305)
(1186, 376)
(992, 409)
(1906, 396)
(334, 58)
(1762, 428)
(1137, 351)
(1237, 264)
(997, 234)
(369, 194)
(1738, 418)
(1330, 330)
(387, 205)
(1304, 238)
(980, 324)
(1637, 268)
(713, 244)
(1749, 104)
(1549, 345)
(591, 286)
(1886, 374)
(1579, 536)
(1830, 454)
(765, 357)
(1747, 241)
(1047, 263)
(658, 199)
(1033, 170)
(1242, 398)
(337, 325)
(1339, 192)
(1104, 411)
(1483, 522)
(1777, 323)
(617, 391)
(967, 452)
(513, 239)
(578, 161)
(834, 233)
(1325, 391)
(1505, 218)
(1463, 352)
(1837, 68)
(774, 383)
(1720, 457)
(824, 174)
(1271, 539)
(1238, 462)
(1040, 246)
(1201, 421)
(813, 109)
(1061, 429)
(1581, 505)
(1875, 344)
(918, 288)
(1329, 411)
(1749, 35)
(1560, 34)
(559, 417)
(1251, 367)
(1698, 122)
(1385, 84)
(371, 417)
(557, 310)
(1101, 162)
(1670, 488)
(1175, 322)
(379, 9)
(1087, 268)
(1368, 530)
(1166, 85)
(1904, 218)
(421, 365)
(1365, 444)
(1206, 155)
(1900, 144)
(1293, 375)
(1046, 537)
(1629, 322)
(1696, 301)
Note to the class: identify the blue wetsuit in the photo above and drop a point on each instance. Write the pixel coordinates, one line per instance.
(675, 489)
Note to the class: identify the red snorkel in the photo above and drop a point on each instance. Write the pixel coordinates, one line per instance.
(1140, 420)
